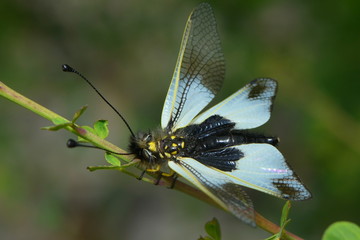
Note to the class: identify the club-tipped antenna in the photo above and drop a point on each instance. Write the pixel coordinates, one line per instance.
(71, 143)
(67, 68)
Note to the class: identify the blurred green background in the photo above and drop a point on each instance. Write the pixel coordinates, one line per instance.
(128, 49)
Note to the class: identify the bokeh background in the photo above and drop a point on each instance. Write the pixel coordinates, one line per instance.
(128, 49)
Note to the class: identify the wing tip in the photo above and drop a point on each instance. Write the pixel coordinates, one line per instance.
(296, 192)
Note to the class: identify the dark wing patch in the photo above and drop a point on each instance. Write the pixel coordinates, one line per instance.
(290, 188)
(257, 90)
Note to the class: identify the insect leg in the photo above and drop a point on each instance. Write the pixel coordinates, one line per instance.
(141, 175)
(158, 179)
(175, 177)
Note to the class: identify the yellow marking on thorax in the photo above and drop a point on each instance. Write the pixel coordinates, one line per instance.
(152, 146)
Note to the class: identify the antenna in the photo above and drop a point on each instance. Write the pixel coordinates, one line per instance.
(71, 143)
(67, 68)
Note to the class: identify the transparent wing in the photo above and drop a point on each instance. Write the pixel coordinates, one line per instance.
(249, 107)
(199, 71)
(264, 168)
(218, 186)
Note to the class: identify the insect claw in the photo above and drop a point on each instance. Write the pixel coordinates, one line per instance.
(141, 175)
(158, 179)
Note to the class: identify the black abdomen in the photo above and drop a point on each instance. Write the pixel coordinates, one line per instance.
(211, 142)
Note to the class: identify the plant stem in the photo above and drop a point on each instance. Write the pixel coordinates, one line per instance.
(25, 102)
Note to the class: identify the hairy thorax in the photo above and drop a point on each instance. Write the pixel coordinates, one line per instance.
(156, 148)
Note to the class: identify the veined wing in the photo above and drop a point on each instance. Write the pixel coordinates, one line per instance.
(249, 107)
(264, 168)
(218, 186)
(199, 71)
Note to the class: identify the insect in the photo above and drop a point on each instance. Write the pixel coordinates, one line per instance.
(213, 149)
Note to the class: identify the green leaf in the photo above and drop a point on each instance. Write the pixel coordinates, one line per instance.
(213, 229)
(342, 230)
(285, 213)
(101, 128)
(79, 113)
(114, 161)
(283, 222)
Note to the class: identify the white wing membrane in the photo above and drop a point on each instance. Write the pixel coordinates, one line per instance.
(217, 186)
(249, 107)
(264, 168)
(197, 97)
(199, 71)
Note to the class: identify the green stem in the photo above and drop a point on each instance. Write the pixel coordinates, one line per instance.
(25, 102)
